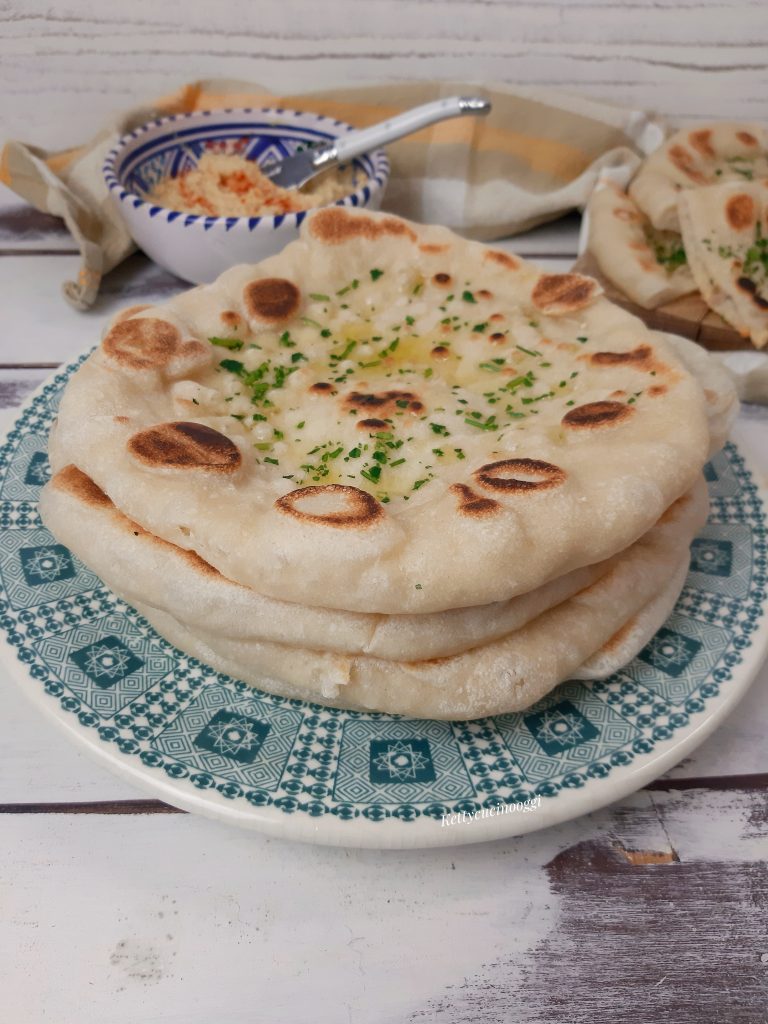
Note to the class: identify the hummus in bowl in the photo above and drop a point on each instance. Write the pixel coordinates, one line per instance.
(226, 217)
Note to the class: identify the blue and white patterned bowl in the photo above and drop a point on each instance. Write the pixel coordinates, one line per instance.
(199, 248)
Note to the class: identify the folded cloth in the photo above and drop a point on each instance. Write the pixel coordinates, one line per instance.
(533, 158)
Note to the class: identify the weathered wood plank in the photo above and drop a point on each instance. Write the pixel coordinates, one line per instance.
(685, 60)
(657, 902)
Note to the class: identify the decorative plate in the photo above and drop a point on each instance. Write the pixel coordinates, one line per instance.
(210, 744)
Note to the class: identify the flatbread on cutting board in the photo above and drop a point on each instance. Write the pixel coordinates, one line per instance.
(725, 229)
(695, 157)
(649, 266)
(390, 419)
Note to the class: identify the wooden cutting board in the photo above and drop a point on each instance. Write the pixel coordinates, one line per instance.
(689, 316)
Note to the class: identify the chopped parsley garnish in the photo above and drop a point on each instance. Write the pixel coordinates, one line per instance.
(233, 365)
(670, 255)
(756, 256)
(233, 344)
(480, 328)
(410, 321)
(468, 297)
(438, 428)
(376, 274)
(350, 287)
(286, 341)
(488, 424)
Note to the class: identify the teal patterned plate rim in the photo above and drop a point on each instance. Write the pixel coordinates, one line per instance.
(209, 744)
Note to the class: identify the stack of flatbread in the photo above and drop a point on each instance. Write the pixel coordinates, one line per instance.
(695, 218)
(391, 469)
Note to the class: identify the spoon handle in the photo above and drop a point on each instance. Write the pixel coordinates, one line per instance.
(363, 141)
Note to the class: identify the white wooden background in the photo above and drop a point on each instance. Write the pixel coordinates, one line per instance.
(66, 65)
(112, 910)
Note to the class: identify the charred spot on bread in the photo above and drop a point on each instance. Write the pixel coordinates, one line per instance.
(747, 285)
(640, 357)
(684, 161)
(740, 211)
(503, 259)
(271, 298)
(182, 445)
(596, 414)
(510, 475)
(384, 401)
(354, 508)
(564, 292)
(474, 505)
(333, 225)
(144, 344)
(80, 486)
(702, 142)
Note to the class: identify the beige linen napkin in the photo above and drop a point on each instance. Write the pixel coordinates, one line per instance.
(534, 157)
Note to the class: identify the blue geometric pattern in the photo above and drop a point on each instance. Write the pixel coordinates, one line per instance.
(393, 760)
(233, 735)
(36, 569)
(105, 663)
(237, 737)
(559, 736)
(404, 760)
(560, 727)
(177, 719)
(721, 481)
(680, 658)
(721, 559)
(28, 471)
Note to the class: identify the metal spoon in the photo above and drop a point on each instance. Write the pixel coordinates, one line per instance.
(295, 171)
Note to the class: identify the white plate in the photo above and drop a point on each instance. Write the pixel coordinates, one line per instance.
(209, 744)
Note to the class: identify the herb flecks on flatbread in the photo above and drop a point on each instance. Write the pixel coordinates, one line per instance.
(726, 234)
(370, 392)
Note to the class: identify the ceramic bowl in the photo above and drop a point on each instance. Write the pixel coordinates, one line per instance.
(198, 248)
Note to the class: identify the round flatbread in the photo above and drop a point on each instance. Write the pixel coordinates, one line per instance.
(649, 266)
(142, 567)
(725, 228)
(691, 158)
(627, 643)
(394, 420)
(506, 674)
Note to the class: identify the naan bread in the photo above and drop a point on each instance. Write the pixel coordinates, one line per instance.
(144, 568)
(437, 424)
(725, 228)
(718, 152)
(506, 674)
(649, 266)
(717, 383)
(625, 645)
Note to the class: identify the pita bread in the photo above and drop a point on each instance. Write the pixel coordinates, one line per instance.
(595, 427)
(717, 383)
(144, 568)
(725, 228)
(505, 674)
(649, 266)
(691, 158)
(625, 645)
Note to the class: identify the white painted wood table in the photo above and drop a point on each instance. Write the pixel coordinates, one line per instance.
(120, 909)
